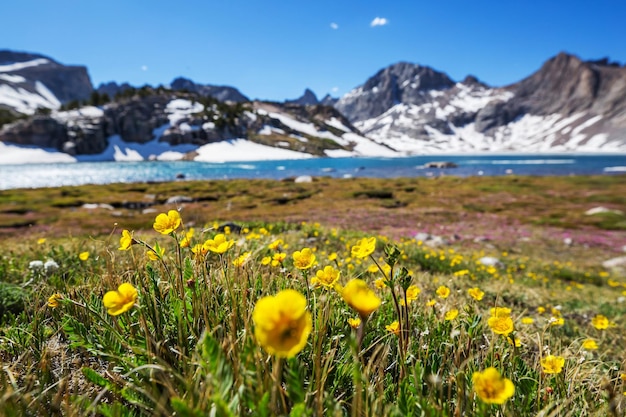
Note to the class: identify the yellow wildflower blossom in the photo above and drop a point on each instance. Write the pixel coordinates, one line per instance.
(83, 256)
(451, 314)
(393, 328)
(53, 301)
(589, 344)
(354, 322)
(167, 223)
(121, 300)
(501, 325)
(476, 293)
(326, 277)
(360, 297)
(491, 387)
(282, 323)
(303, 259)
(552, 364)
(443, 291)
(600, 322)
(364, 247)
(219, 244)
(126, 241)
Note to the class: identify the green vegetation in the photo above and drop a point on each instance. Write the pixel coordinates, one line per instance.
(187, 342)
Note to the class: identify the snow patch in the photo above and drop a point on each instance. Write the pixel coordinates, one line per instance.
(21, 65)
(244, 150)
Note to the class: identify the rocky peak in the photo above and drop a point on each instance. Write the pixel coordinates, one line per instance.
(328, 100)
(307, 99)
(399, 83)
(221, 93)
(565, 84)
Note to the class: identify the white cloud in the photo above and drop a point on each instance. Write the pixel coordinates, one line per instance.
(379, 21)
(334, 25)
(144, 68)
(334, 89)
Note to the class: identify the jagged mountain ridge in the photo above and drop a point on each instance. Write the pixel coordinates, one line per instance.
(186, 121)
(567, 105)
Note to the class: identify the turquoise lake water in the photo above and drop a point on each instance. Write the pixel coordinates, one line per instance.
(51, 175)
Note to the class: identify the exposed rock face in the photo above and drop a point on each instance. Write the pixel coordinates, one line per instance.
(307, 99)
(221, 93)
(327, 100)
(136, 119)
(400, 83)
(40, 82)
(568, 105)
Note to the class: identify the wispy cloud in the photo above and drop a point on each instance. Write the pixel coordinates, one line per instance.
(144, 68)
(334, 26)
(379, 21)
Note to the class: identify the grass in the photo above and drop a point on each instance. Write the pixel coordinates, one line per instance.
(188, 345)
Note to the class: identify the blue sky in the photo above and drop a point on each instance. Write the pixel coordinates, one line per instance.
(274, 49)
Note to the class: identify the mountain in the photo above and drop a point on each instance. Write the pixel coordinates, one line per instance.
(221, 93)
(162, 124)
(307, 99)
(32, 81)
(405, 109)
(567, 105)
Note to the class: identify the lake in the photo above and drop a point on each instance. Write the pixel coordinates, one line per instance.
(58, 174)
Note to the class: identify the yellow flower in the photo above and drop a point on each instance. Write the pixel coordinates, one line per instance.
(393, 328)
(266, 260)
(380, 283)
(600, 322)
(528, 320)
(275, 244)
(354, 323)
(514, 341)
(326, 277)
(199, 249)
(121, 300)
(501, 325)
(431, 303)
(167, 223)
(364, 247)
(241, 259)
(451, 314)
(282, 323)
(185, 242)
(491, 387)
(360, 297)
(500, 312)
(412, 293)
(156, 254)
(218, 244)
(83, 256)
(476, 293)
(41, 241)
(443, 291)
(372, 269)
(557, 321)
(589, 344)
(552, 364)
(541, 310)
(332, 256)
(53, 301)
(126, 241)
(303, 259)
(278, 258)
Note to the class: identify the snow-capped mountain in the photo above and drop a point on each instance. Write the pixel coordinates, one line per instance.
(404, 109)
(32, 81)
(176, 125)
(568, 105)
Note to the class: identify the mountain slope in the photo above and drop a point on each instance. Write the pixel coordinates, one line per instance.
(31, 81)
(568, 105)
(159, 124)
